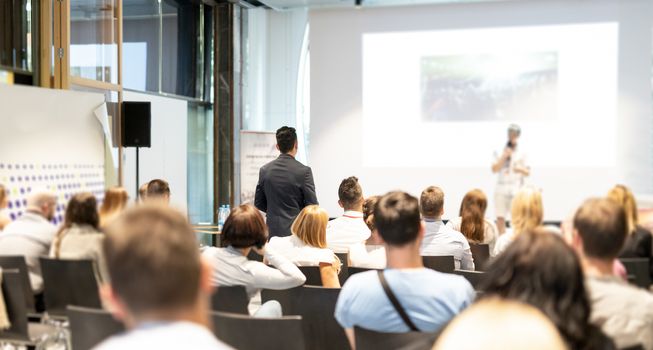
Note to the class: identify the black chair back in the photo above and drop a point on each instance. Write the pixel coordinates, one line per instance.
(639, 267)
(344, 268)
(355, 270)
(249, 333)
(286, 297)
(89, 327)
(439, 263)
(317, 306)
(313, 276)
(18, 263)
(481, 255)
(14, 296)
(371, 340)
(475, 278)
(230, 299)
(69, 282)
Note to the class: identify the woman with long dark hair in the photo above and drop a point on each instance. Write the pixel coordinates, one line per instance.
(472, 222)
(80, 237)
(540, 269)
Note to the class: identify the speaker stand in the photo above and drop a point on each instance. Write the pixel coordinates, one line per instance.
(138, 186)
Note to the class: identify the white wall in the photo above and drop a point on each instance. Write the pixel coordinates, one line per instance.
(167, 158)
(336, 99)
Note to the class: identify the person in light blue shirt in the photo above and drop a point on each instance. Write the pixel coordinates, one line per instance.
(429, 298)
(440, 240)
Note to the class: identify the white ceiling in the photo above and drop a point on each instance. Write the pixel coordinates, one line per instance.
(291, 4)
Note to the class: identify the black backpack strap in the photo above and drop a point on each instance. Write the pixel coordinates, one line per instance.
(395, 303)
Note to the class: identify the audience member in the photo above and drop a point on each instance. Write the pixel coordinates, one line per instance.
(285, 186)
(158, 190)
(245, 230)
(307, 245)
(429, 298)
(639, 239)
(160, 286)
(79, 236)
(4, 202)
(370, 254)
(115, 201)
(526, 214)
(142, 192)
(350, 228)
(440, 239)
(32, 233)
(540, 269)
(472, 222)
(495, 324)
(624, 312)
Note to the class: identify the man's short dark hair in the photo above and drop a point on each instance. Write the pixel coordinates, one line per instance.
(431, 202)
(158, 188)
(396, 218)
(286, 139)
(244, 228)
(153, 260)
(350, 192)
(601, 224)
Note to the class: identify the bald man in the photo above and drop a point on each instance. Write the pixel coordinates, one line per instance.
(31, 234)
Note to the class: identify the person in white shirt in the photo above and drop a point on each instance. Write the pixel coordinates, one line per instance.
(440, 240)
(244, 231)
(307, 245)
(80, 237)
(160, 285)
(350, 228)
(511, 168)
(527, 213)
(31, 234)
(371, 254)
(472, 222)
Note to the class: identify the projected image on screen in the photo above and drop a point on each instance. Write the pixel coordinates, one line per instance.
(480, 87)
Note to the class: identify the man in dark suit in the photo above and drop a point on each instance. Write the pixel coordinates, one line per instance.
(285, 186)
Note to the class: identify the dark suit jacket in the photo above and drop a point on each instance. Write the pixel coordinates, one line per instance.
(285, 187)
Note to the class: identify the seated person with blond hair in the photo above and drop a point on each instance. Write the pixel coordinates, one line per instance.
(307, 245)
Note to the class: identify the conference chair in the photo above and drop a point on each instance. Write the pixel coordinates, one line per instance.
(481, 255)
(69, 282)
(20, 331)
(249, 333)
(639, 268)
(475, 278)
(313, 276)
(317, 306)
(230, 299)
(89, 327)
(371, 340)
(18, 263)
(439, 263)
(354, 270)
(286, 297)
(344, 268)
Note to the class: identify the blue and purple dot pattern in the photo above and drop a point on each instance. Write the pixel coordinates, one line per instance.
(64, 179)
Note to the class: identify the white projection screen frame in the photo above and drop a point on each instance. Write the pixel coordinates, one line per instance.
(368, 102)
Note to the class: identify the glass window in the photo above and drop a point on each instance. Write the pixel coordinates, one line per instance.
(17, 28)
(141, 44)
(200, 163)
(167, 47)
(93, 35)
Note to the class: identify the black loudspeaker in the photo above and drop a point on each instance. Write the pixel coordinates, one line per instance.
(136, 124)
